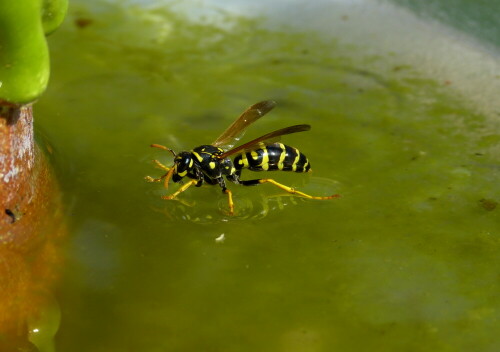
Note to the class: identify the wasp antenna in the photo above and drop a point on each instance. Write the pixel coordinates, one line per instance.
(164, 148)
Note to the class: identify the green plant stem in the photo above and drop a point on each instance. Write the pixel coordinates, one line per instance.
(53, 12)
(24, 56)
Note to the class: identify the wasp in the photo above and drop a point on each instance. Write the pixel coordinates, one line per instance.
(210, 163)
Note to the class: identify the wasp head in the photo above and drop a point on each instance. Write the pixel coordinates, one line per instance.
(183, 163)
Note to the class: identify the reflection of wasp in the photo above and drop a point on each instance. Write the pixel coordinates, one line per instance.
(209, 163)
(248, 208)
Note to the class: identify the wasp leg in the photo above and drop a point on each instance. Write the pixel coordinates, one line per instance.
(160, 165)
(285, 188)
(165, 177)
(222, 183)
(150, 179)
(180, 190)
(159, 179)
(229, 200)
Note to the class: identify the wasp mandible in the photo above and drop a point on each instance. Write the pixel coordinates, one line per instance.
(211, 163)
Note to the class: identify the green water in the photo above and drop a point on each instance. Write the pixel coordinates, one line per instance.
(407, 259)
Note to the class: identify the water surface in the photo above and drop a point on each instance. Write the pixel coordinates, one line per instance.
(407, 259)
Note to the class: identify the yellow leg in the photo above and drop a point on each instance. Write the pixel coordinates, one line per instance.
(293, 191)
(180, 190)
(169, 170)
(230, 201)
(150, 179)
(160, 165)
(166, 177)
(159, 179)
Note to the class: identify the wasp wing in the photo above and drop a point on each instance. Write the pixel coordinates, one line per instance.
(234, 132)
(266, 139)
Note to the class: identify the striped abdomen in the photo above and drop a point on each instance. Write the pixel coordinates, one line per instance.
(272, 157)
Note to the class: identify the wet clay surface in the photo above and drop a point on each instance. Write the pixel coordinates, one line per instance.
(31, 226)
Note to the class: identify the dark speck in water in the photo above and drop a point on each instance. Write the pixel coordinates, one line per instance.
(83, 22)
(488, 204)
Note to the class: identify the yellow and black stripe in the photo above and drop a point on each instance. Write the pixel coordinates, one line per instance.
(273, 157)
